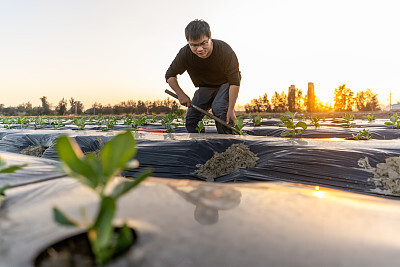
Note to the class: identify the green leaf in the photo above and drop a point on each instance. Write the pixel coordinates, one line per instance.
(126, 186)
(301, 124)
(63, 219)
(285, 133)
(12, 169)
(389, 124)
(4, 188)
(71, 156)
(117, 152)
(124, 240)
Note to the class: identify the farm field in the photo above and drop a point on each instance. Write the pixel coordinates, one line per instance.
(306, 165)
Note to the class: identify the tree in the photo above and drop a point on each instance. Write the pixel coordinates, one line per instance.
(367, 101)
(45, 106)
(343, 98)
(61, 109)
(76, 106)
(279, 102)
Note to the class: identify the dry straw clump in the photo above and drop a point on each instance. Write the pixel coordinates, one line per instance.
(235, 157)
(36, 151)
(386, 175)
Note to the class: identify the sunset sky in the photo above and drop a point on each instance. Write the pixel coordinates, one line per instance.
(112, 51)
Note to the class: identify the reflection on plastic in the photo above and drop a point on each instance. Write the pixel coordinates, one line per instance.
(209, 199)
(318, 193)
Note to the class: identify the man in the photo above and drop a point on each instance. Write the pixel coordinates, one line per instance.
(214, 68)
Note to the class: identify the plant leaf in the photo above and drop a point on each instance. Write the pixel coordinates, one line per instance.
(301, 124)
(71, 156)
(124, 240)
(4, 188)
(12, 169)
(126, 186)
(63, 219)
(117, 152)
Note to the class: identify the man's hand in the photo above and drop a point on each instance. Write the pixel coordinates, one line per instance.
(230, 116)
(184, 100)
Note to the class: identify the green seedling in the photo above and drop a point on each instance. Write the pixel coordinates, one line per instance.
(239, 124)
(127, 120)
(370, 118)
(200, 126)
(315, 121)
(364, 134)
(109, 123)
(167, 122)
(154, 119)
(288, 120)
(24, 122)
(80, 123)
(100, 119)
(348, 118)
(394, 122)
(39, 123)
(57, 123)
(206, 120)
(97, 173)
(179, 114)
(256, 120)
(8, 122)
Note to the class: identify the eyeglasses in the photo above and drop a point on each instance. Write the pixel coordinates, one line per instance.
(202, 44)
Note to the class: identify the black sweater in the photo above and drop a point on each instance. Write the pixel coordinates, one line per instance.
(220, 67)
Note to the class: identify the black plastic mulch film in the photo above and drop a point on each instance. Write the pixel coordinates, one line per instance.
(299, 160)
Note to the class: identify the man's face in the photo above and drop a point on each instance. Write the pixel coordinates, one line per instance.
(202, 47)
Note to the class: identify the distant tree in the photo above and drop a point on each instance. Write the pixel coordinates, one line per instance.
(76, 106)
(279, 102)
(61, 108)
(45, 106)
(299, 101)
(343, 98)
(367, 101)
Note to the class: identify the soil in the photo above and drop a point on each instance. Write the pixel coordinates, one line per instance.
(235, 157)
(386, 175)
(36, 151)
(71, 252)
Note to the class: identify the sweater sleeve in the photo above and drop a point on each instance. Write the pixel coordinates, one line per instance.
(177, 66)
(232, 69)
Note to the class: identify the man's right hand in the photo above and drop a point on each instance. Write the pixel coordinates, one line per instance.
(184, 100)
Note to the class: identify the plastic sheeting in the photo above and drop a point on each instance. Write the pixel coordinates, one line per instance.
(301, 160)
(37, 170)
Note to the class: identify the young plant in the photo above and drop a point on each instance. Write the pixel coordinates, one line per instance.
(288, 120)
(394, 122)
(97, 173)
(110, 123)
(39, 123)
(200, 126)
(256, 120)
(127, 120)
(80, 123)
(179, 114)
(24, 122)
(370, 118)
(362, 135)
(239, 124)
(8, 122)
(167, 122)
(206, 120)
(57, 123)
(315, 121)
(348, 118)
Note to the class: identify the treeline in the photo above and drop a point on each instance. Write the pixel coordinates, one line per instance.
(344, 100)
(72, 106)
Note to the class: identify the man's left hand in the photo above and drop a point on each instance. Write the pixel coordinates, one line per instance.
(230, 116)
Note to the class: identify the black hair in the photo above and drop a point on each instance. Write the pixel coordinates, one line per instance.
(197, 29)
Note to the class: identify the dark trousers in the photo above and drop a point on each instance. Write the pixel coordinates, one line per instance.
(207, 97)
